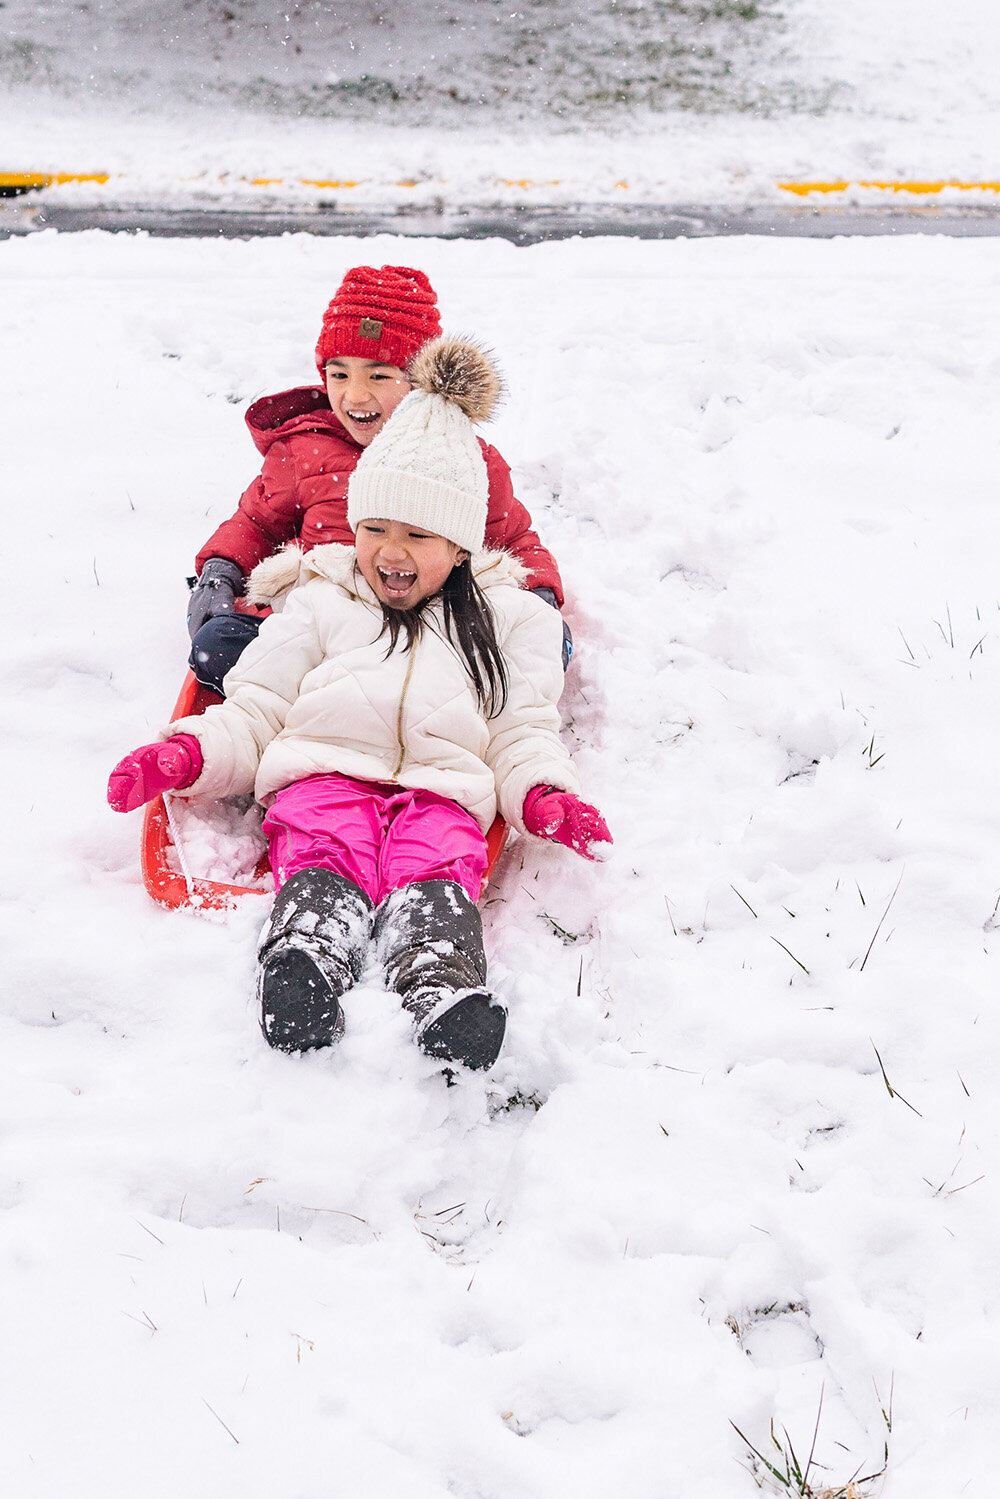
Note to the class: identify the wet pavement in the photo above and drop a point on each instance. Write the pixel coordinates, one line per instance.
(520, 224)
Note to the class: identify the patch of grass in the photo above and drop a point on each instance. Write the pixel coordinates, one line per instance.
(520, 1100)
(565, 937)
(967, 641)
(22, 61)
(781, 1471)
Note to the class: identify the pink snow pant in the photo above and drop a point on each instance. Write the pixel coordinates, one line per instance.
(378, 835)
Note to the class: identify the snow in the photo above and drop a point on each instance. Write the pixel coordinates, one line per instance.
(658, 101)
(217, 840)
(686, 1196)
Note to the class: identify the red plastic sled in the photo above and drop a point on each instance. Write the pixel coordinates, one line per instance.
(169, 887)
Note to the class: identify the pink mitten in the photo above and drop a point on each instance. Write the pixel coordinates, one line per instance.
(153, 768)
(565, 818)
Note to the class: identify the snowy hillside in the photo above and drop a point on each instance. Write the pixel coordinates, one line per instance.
(740, 1154)
(697, 101)
(415, 62)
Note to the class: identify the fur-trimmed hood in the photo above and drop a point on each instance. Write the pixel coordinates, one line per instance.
(273, 579)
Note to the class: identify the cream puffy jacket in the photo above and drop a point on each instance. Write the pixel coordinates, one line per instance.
(316, 694)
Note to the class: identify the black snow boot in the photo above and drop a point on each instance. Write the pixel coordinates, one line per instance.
(429, 937)
(312, 949)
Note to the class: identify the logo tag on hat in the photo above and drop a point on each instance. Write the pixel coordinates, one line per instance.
(370, 327)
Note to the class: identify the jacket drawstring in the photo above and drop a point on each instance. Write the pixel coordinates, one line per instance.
(402, 702)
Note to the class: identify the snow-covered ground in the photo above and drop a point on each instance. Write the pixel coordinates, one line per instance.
(696, 101)
(740, 1155)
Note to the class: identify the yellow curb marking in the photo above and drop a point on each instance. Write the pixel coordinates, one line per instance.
(52, 179)
(803, 188)
(25, 181)
(49, 179)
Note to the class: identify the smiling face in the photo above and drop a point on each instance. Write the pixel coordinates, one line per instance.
(364, 394)
(402, 564)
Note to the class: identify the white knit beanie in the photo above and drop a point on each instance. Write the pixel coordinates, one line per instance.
(426, 467)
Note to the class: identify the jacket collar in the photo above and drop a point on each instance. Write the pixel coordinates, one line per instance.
(274, 578)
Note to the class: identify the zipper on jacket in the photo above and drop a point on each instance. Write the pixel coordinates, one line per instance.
(399, 715)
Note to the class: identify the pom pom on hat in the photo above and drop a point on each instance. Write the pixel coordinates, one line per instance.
(462, 371)
(426, 467)
(384, 314)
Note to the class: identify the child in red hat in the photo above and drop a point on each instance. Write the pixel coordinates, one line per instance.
(311, 439)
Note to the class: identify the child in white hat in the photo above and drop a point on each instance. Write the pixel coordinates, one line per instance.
(403, 691)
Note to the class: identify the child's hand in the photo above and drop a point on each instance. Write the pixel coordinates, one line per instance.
(549, 595)
(563, 817)
(169, 766)
(219, 585)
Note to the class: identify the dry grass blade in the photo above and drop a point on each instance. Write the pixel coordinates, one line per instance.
(791, 955)
(893, 1092)
(149, 1231)
(743, 898)
(220, 1421)
(885, 913)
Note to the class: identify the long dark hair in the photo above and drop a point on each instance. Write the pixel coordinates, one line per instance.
(469, 626)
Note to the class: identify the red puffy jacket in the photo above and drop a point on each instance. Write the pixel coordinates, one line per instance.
(301, 492)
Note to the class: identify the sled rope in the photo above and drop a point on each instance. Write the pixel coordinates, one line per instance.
(178, 843)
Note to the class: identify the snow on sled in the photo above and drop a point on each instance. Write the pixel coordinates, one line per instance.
(208, 855)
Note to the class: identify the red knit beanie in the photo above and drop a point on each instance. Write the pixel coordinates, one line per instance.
(385, 314)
